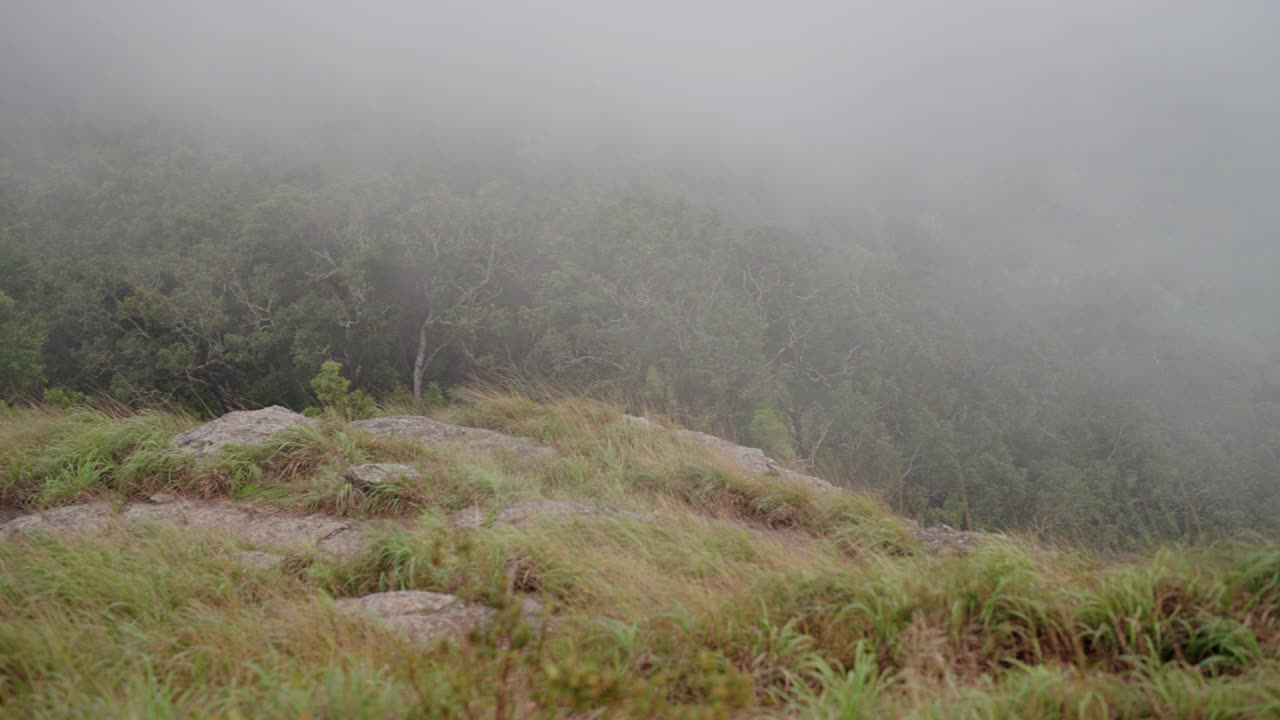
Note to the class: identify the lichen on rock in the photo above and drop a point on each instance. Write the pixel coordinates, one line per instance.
(241, 427)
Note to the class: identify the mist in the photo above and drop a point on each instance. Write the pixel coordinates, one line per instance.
(1094, 179)
(1158, 115)
(932, 90)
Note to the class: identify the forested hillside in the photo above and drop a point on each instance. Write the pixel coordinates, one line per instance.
(1009, 363)
(665, 359)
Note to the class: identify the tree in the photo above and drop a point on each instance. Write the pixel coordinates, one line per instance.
(335, 394)
(21, 371)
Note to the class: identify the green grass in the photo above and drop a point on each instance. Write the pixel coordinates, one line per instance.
(732, 596)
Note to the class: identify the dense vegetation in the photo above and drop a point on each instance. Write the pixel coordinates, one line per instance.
(957, 362)
(725, 595)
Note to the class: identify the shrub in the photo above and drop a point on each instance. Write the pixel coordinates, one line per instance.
(334, 393)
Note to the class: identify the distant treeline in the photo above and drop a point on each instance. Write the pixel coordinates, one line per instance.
(158, 267)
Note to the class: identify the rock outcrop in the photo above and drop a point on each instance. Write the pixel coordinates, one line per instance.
(242, 427)
(373, 475)
(748, 458)
(243, 521)
(419, 616)
(946, 540)
(434, 432)
(257, 559)
(467, 518)
(525, 512)
(533, 510)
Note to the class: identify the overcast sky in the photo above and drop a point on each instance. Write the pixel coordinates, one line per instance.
(1129, 102)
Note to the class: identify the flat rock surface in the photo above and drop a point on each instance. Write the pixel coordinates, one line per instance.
(257, 559)
(419, 616)
(528, 511)
(946, 540)
(750, 459)
(434, 432)
(470, 518)
(244, 521)
(242, 427)
(371, 475)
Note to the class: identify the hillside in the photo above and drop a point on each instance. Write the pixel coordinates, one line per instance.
(518, 558)
(1009, 362)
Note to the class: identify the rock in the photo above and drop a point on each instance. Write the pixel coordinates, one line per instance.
(946, 540)
(257, 559)
(243, 427)
(641, 421)
(533, 609)
(752, 460)
(473, 518)
(421, 617)
(434, 432)
(469, 518)
(162, 498)
(82, 517)
(241, 520)
(372, 475)
(526, 511)
(798, 478)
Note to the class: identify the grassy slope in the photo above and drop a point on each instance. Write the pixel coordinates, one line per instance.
(736, 598)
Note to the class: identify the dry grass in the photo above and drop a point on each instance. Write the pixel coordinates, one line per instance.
(732, 596)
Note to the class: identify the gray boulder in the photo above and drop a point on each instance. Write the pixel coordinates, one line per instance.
(242, 427)
(524, 512)
(434, 432)
(946, 540)
(258, 560)
(421, 617)
(468, 518)
(373, 475)
(753, 460)
(243, 521)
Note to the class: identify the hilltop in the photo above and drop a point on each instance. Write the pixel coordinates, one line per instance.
(508, 557)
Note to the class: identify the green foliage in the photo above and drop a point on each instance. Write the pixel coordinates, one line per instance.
(83, 452)
(433, 396)
(724, 595)
(21, 339)
(334, 393)
(64, 398)
(768, 432)
(154, 267)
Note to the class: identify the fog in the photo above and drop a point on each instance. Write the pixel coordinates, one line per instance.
(1052, 224)
(1151, 122)
(937, 89)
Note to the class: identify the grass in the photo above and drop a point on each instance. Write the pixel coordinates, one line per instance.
(729, 596)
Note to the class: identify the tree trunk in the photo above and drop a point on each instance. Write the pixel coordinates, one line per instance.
(420, 369)
(227, 397)
(1192, 524)
(797, 428)
(964, 501)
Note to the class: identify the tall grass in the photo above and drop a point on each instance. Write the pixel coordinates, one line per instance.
(49, 457)
(729, 596)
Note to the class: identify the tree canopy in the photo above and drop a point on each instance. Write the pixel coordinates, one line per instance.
(932, 356)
